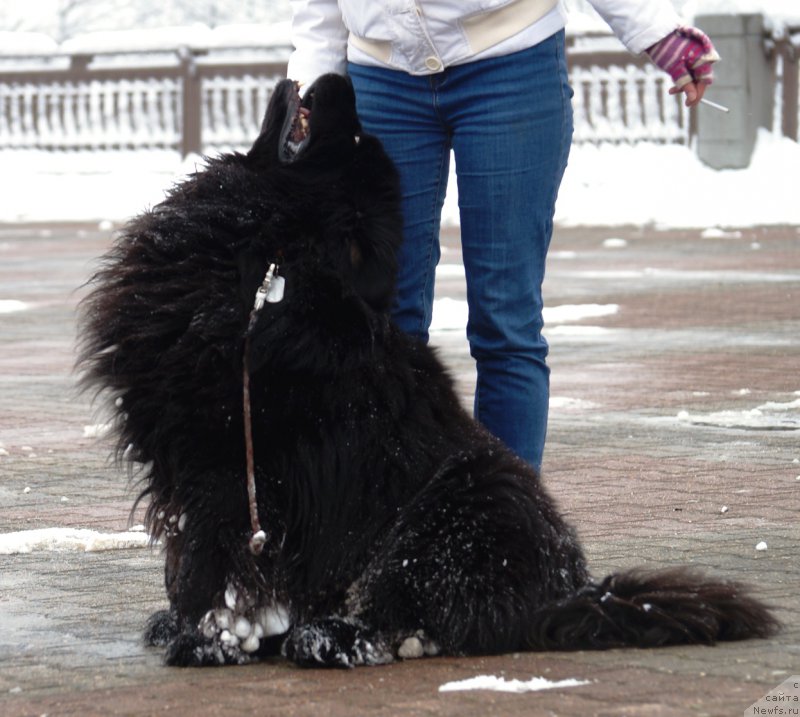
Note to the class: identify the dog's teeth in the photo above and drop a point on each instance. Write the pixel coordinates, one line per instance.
(258, 630)
(242, 627)
(182, 522)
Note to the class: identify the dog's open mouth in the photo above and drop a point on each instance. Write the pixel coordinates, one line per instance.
(296, 126)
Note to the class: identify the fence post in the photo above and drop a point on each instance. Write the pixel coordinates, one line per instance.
(790, 87)
(744, 80)
(191, 120)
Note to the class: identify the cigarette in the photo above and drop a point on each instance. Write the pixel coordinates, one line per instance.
(721, 108)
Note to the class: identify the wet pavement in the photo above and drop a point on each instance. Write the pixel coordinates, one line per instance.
(674, 438)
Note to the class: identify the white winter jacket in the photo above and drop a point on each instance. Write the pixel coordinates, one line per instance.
(424, 36)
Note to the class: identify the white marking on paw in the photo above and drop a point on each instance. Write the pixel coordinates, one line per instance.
(230, 597)
(224, 619)
(431, 648)
(251, 644)
(242, 627)
(411, 648)
(274, 619)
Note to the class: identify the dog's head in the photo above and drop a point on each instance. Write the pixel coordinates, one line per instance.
(341, 212)
(323, 123)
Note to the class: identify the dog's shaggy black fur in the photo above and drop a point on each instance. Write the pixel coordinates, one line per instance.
(395, 524)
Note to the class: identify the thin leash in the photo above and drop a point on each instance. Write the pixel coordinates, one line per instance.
(270, 291)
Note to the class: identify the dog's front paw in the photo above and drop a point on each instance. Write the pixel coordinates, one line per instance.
(335, 642)
(161, 628)
(192, 648)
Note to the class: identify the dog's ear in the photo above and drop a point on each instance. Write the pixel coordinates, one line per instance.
(333, 107)
(379, 229)
(374, 269)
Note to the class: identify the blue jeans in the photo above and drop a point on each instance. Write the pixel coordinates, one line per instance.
(508, 121)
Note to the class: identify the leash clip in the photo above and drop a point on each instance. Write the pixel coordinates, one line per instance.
(263, 291)
(271, 289)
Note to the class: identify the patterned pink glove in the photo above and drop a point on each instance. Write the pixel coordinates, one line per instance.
(686, 55)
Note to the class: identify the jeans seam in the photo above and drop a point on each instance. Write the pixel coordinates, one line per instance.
(566, 108)
(424, 327)
(435, 221)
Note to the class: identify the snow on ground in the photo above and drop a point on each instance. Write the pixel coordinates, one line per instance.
(451, 314)
(9, 306)
(773, 415)
(645, 184)
(66, 539)
(500, 684)
(668, 186)
(78, 186)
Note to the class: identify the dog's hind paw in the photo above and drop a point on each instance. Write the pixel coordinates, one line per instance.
(335, 642)
(418, 645)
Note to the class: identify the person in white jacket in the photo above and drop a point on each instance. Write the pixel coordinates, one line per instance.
(486, 79)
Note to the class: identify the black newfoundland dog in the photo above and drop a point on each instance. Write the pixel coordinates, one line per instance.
(316, 485)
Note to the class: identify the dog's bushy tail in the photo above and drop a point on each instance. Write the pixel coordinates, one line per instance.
(650, 609)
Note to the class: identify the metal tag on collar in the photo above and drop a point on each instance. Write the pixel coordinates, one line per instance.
(276, 288)
(263, 290)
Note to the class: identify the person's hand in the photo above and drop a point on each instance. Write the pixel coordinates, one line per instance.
(687, 55)
(694, 91)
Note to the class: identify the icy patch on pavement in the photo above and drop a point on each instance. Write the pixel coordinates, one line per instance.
(717, 233)
(69, 539)
(9, 306)
(452, 314)
(577, 312)
(614, 243)
(773, 415)
(571, 404)
(688, 276)
(583, 331)
(500, 684)
(98, 430)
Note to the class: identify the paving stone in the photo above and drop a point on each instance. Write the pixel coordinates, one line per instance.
(704, 325)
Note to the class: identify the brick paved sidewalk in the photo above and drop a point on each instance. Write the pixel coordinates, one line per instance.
(639, 457)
